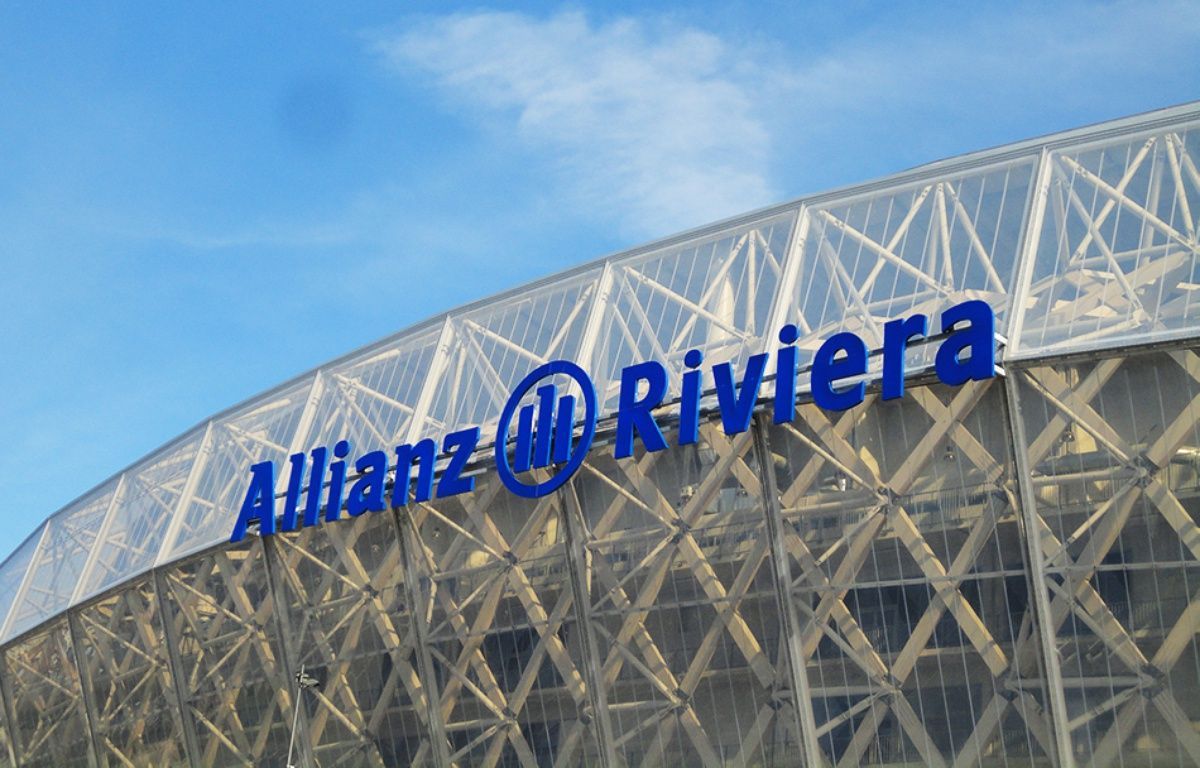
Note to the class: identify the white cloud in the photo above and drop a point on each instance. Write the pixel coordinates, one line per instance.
(656, 125)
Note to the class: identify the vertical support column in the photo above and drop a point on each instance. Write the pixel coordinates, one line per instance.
(1027, 253)
(797, 666)
(417, 600)
(287, 655)
(1041, 595)
(579, 571)
(10, 712)
(171, 640)
(784, 299)
(85, 688)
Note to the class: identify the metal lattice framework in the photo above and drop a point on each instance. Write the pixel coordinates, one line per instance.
(994, 574)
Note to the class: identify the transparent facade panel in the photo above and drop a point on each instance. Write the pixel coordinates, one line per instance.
(127, 678)
(221, 621)
(49, 729)
(713, 293)
(503, 631)
(1117, 257)
(6, 753)
(349, 626)
(904, 550)
(268, 429)
(683, 607)
(133, 531)
(54, 571)
(1114, 454)
(920, 247)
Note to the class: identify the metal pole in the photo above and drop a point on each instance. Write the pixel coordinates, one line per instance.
(295, 716)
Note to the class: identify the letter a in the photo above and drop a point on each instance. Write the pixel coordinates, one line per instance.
(259, 503)
(979, 336)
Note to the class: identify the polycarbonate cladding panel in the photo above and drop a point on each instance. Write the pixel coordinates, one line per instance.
(902, 539)
(714, 294)
(265, 430)
(234, 682)
(134, 529)
(1113, 446)
(348, 624)
(491, 348)
(54, 571)
(683, 607)
(1117, 256)
(911, 248)
(372, 399)
(125, 664)
(14, 571)
(42, 683)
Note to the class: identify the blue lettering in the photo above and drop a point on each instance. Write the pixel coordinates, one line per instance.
(367, 493)
(827, 368)
(259, 503)
(290, 521)
(424, 453)
(979, 337)
(633, 415)
(461, 446)
(785, 375)
(337, 481)
(896, 334)
(736, 410)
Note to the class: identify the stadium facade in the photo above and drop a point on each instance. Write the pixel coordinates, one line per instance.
(997, 573)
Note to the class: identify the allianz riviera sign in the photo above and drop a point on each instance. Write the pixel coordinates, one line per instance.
(545, 429)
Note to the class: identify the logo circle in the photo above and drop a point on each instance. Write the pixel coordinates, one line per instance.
(578, 453)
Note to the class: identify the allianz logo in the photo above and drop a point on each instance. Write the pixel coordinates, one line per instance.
(554, 433)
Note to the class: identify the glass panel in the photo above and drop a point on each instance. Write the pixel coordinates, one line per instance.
(1117, 255)
(142, 512)
(60, 559)
(128, 673)
(47, 701)
(503, 632)
(265, 430)
(349, 626)
(684, 609)
(714, 293)
(916, 247)
(235, 686)
(902, 530)
(1114, 452)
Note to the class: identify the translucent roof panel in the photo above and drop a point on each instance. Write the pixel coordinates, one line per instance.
(1116, 249)
(53, 573)
(920, 247)
(268, 429)
(13, 572)
(491, 348)
(133, 532)
(713, 293)
(371, 399)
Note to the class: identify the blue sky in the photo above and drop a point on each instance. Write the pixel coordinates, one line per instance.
(197, 203)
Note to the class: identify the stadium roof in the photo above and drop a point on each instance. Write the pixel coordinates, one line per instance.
(1080, 241)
